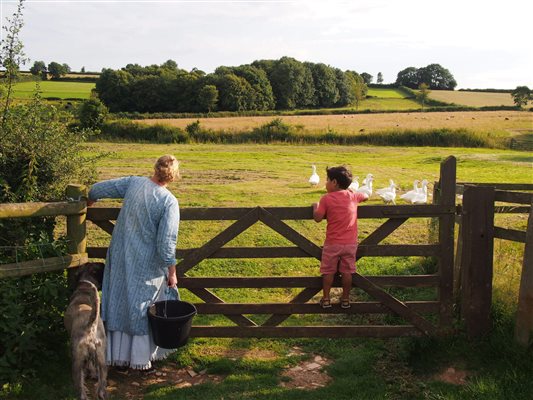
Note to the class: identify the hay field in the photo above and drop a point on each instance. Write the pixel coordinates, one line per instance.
(501, 121)
(473, 99)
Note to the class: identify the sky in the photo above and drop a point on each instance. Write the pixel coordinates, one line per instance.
(483, 43)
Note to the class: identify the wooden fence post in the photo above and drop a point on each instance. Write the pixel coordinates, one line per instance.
(76, 226)
(446, 196)
(524, 314)
(477, 258)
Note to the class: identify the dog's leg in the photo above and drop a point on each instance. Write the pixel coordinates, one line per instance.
(102, 373)
(78, 374)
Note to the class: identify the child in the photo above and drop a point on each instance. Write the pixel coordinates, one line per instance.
(339, 207)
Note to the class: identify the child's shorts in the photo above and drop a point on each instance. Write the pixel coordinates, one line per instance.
(338, 257)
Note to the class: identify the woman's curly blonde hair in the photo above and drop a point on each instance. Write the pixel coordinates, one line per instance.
(166, 169)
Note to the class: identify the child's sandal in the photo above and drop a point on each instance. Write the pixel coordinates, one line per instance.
(325, 303)
(345, 303)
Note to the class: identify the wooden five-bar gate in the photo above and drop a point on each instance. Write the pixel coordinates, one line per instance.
(413, 313)
(274, 217)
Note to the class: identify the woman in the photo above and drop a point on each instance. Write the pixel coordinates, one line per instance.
(141, 255)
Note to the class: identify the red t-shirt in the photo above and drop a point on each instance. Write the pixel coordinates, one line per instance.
(340, 209)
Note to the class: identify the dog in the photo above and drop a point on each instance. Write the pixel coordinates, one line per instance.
(87, 334)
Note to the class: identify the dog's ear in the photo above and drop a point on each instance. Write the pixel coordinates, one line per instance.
(98, 273)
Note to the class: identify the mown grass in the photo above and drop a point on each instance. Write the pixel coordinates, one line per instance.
(276, 175)
(56, 90)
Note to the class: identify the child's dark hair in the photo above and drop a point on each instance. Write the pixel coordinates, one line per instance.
(341, 174)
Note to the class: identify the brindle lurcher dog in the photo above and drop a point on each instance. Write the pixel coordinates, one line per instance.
(86, 329)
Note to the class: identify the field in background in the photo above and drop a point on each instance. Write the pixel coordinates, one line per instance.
(498, 122)
(473, 99)
(61, 90)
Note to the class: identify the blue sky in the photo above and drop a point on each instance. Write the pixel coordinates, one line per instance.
(483, 43)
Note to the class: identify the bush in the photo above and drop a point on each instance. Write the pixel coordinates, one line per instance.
(92, 114)
(39, 156)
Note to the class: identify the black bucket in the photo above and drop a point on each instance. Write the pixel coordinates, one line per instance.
(170, 322)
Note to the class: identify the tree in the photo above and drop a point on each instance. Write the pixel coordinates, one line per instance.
(92, 114)
(325, 82)
(38, 68)
(437, 77)
(57, 70)
(380, 78)
(208, 97)
(408, 77)
(82, 70)
(367, 78)
(522, 95)
(66, 68)
(423, 93)
(358, 87)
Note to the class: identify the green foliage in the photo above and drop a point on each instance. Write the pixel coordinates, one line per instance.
(58, 70)
(434, 75)
(38, 68)
(367, 77)
(208, 98)
(92, 114)
(522, 95)
(423, 93)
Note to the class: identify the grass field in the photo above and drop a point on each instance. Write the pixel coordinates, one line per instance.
(385, 93)
(473, 99)
(497, 122)
(62, 90)
(276, 175)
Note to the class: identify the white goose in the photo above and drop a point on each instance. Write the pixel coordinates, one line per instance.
(422, 196)
(386, 189)
(314, 179)
(388, 194)
(354, 185)
(411, 193)
(366, 188)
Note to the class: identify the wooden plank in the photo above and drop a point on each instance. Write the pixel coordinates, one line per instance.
(385, 331)
(24, 268)
(394, 304)
(289, 233)
(308, 308)
(417, 250)
(457, 263)
(447, 183)
(209, 297)
(477, 258)
(510, 234)
(40, 209)
(303, 282)
(524, 313)
(285, 213)
(106, 226)
(513, 197)
(498, 186)
(218, 241)
(303, 297)
(512, 209)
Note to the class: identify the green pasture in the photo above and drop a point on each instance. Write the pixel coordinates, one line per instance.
(276, 175)
(61, 90)
(385, 93)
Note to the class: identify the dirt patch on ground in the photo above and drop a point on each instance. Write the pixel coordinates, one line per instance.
(452, 375)
(307, 374)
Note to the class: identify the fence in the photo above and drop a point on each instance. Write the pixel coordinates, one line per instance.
(412, 312)
(474, 258)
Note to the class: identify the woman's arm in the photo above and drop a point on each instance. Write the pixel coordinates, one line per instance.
(111, 189)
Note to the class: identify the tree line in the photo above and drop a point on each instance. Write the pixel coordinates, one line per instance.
(285, 83)
(55, 69)
(434, 76)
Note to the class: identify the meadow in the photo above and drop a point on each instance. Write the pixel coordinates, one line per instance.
(501, 123)
(276, 175)
(473, 99)
(60, 90)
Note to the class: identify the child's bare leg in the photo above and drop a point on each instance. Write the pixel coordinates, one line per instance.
(346, 285)
(327, 282)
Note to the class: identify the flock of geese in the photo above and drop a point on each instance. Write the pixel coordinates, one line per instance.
(418, 195)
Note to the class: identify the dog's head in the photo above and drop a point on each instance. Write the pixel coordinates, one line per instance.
(92, 272)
